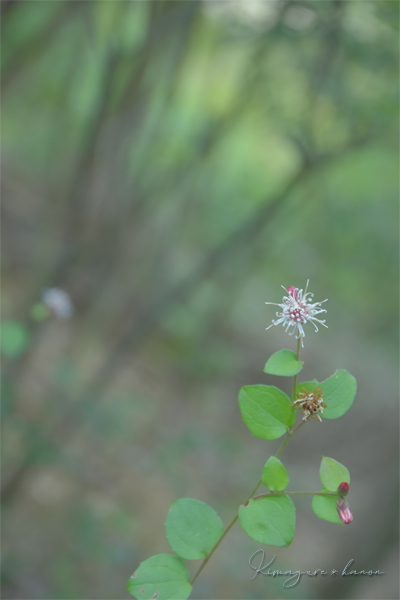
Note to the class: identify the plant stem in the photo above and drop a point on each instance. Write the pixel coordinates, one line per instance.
(295, 377)
(288, 436)
(205, 561)
(231, 524)
(295, 493)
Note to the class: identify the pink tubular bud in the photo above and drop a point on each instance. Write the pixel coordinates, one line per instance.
(292, 291)
(344, 511)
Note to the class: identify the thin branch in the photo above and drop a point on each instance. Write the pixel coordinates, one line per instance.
(294, 494)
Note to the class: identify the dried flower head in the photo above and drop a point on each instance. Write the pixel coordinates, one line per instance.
(311, 403)
(58, 302)
(344, 511)
(297, 309)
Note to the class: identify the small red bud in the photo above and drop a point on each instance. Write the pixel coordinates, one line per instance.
(292, 291)
(343, 489)
(344, 511)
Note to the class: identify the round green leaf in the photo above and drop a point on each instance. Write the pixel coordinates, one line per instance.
(270, 520)
(332, 474)
(283, 363)
(192, 528)
(325, 507)
(14, 338)
(274, 475)
(339, 392)
(266, 411)
(163, 576)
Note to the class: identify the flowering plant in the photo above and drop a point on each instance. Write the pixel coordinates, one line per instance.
(194, 530)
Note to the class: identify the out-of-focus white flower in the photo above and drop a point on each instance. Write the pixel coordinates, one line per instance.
(297, 309)
(58, 302)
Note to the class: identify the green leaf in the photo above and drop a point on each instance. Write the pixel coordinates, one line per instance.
(270, 520)
(283, 363)
(163, 576)
(332, 474)
(308, 386)
(14, 338)
(325, 507)
(274, 475)
(266, 411)
(339, 392)
(192, 528)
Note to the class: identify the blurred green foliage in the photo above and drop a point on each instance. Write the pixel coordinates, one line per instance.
(170, 164)
(14, 338)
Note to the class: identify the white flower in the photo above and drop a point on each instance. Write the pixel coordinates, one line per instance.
(297, 309)
(58, 302)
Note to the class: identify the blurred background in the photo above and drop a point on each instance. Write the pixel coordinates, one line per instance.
(170, 164)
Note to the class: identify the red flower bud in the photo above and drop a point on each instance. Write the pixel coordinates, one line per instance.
(292, 291)
(343, 489)
(344, 511)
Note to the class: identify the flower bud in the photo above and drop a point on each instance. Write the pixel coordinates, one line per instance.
(344, 511)
(292, 291)
(343, 489)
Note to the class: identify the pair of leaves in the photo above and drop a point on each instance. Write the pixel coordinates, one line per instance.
(192, 529)
(271, 520)
(266, 410)
(332, 474)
